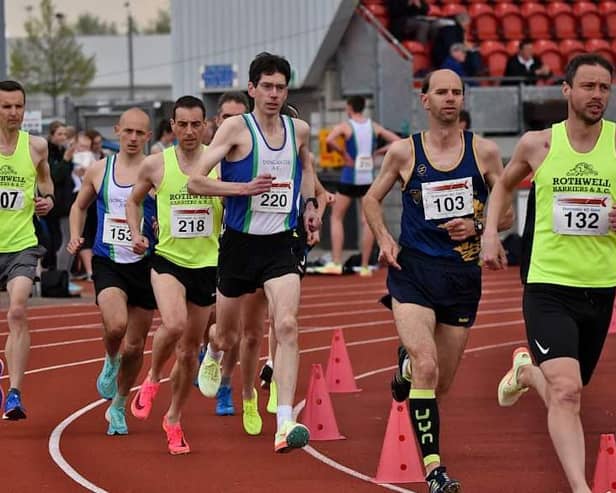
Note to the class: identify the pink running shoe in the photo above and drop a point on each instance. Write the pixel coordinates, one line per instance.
(141, 406)
(175, 438)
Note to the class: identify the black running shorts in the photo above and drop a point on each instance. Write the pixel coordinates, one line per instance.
(200, 283)
(451, 289)
(353, 191)
(246, 261)
(133, 279)
(567, 322)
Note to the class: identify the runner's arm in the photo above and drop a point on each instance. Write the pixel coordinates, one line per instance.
(339, 130)
(387, 135)
(79, 209)
(145, 182)
(44, 183)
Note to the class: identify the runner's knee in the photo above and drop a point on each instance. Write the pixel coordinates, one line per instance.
(425, 369)
(16, 314)
(565, 393)
(286, 330)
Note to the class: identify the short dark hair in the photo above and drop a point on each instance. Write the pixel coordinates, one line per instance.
(425, 84)
(235, 96)
(11, 86)
(93, 134)
(357, 103)
(268, 64)
(189, 102)
(586, 59)
(163, 127)
(465, 116)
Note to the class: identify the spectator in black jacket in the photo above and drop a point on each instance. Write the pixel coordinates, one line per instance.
(61, 167)
(402, 14)
(525, 64)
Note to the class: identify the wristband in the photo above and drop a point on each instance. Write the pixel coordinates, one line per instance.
(479, 227)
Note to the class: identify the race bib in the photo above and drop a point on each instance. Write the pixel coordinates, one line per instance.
(364, 163)
(116, 231)
(581, 215)
(447, 199)
(278, 200)
(11, 199)
(191, 222)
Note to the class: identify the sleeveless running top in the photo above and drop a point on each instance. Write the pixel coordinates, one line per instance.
(360, 146)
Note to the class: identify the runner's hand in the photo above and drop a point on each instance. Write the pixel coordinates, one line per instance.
(259, 184)
(312, 221)
(388, 254)
(42, 205)
(140, 244)
(459, 229)
(74, 245)
(313, 237)
(493, 254)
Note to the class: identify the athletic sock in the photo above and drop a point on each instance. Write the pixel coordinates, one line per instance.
(283, 413)
(119, 401)
(425, 419)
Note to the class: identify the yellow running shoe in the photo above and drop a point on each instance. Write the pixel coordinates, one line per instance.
(209, 376)
(251, 418)
(331, 268)
(272, 402)
(291, 435)
(509, 390)
(365, 271)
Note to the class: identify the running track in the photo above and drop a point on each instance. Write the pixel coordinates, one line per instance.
(488, 448)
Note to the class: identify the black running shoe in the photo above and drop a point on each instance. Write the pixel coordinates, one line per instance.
(400, 386)
(265, 375)
(440, 482)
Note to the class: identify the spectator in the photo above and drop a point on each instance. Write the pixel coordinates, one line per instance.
(97, 143)
(403, 23)
(449, 34)
(210, 130)
(455, 60)
(164, 137)
(525, 65)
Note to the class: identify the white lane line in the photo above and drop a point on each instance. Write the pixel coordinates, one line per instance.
(310, 450)
(56, 434)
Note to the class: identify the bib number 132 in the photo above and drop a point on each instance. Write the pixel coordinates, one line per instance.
(583, 216)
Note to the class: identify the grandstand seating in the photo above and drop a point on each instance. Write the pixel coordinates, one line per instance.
(559, 29)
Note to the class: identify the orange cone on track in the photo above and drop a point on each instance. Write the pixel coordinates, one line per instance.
(605, 471)
(318, 415)
(339, 375)
(400, 460)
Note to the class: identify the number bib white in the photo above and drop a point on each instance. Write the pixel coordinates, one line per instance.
(191, 222)
(278, 200)
(447, 198)
(581, 215)
(116, 231)
(364, 163)
(11, 199)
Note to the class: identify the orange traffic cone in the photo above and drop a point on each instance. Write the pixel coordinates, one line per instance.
(339, 375)
(318, 414)
(605, 471)
(612, 329)
(400, 459)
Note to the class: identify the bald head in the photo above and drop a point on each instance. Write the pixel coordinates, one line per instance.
(134, 115)
(441, 77)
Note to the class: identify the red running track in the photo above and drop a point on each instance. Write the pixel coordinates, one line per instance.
(488, 448)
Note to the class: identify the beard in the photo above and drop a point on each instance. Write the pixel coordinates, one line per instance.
(586, 117)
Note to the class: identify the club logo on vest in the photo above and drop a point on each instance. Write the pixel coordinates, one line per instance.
(422, 169)
(582, 169)
(415, 196)
(7, 169)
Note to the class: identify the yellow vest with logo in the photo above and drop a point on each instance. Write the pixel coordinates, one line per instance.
(17, 189)
(189, 225)
(572, 244)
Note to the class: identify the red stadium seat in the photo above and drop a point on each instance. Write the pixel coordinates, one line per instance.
(434, 10)
(421, 56)
(600, 46)
(537, 20)
(607, 9)
(511, 21)
(495, 57)
(512, 47)
(451, 9)
(570, 48)
(564, 22)
(484, 22)
(549, 53)
(589, 19)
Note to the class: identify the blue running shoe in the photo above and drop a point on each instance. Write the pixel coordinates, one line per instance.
(13, 408)
(116, 417)
(201, 356)
(107, 381)
(224, 402)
